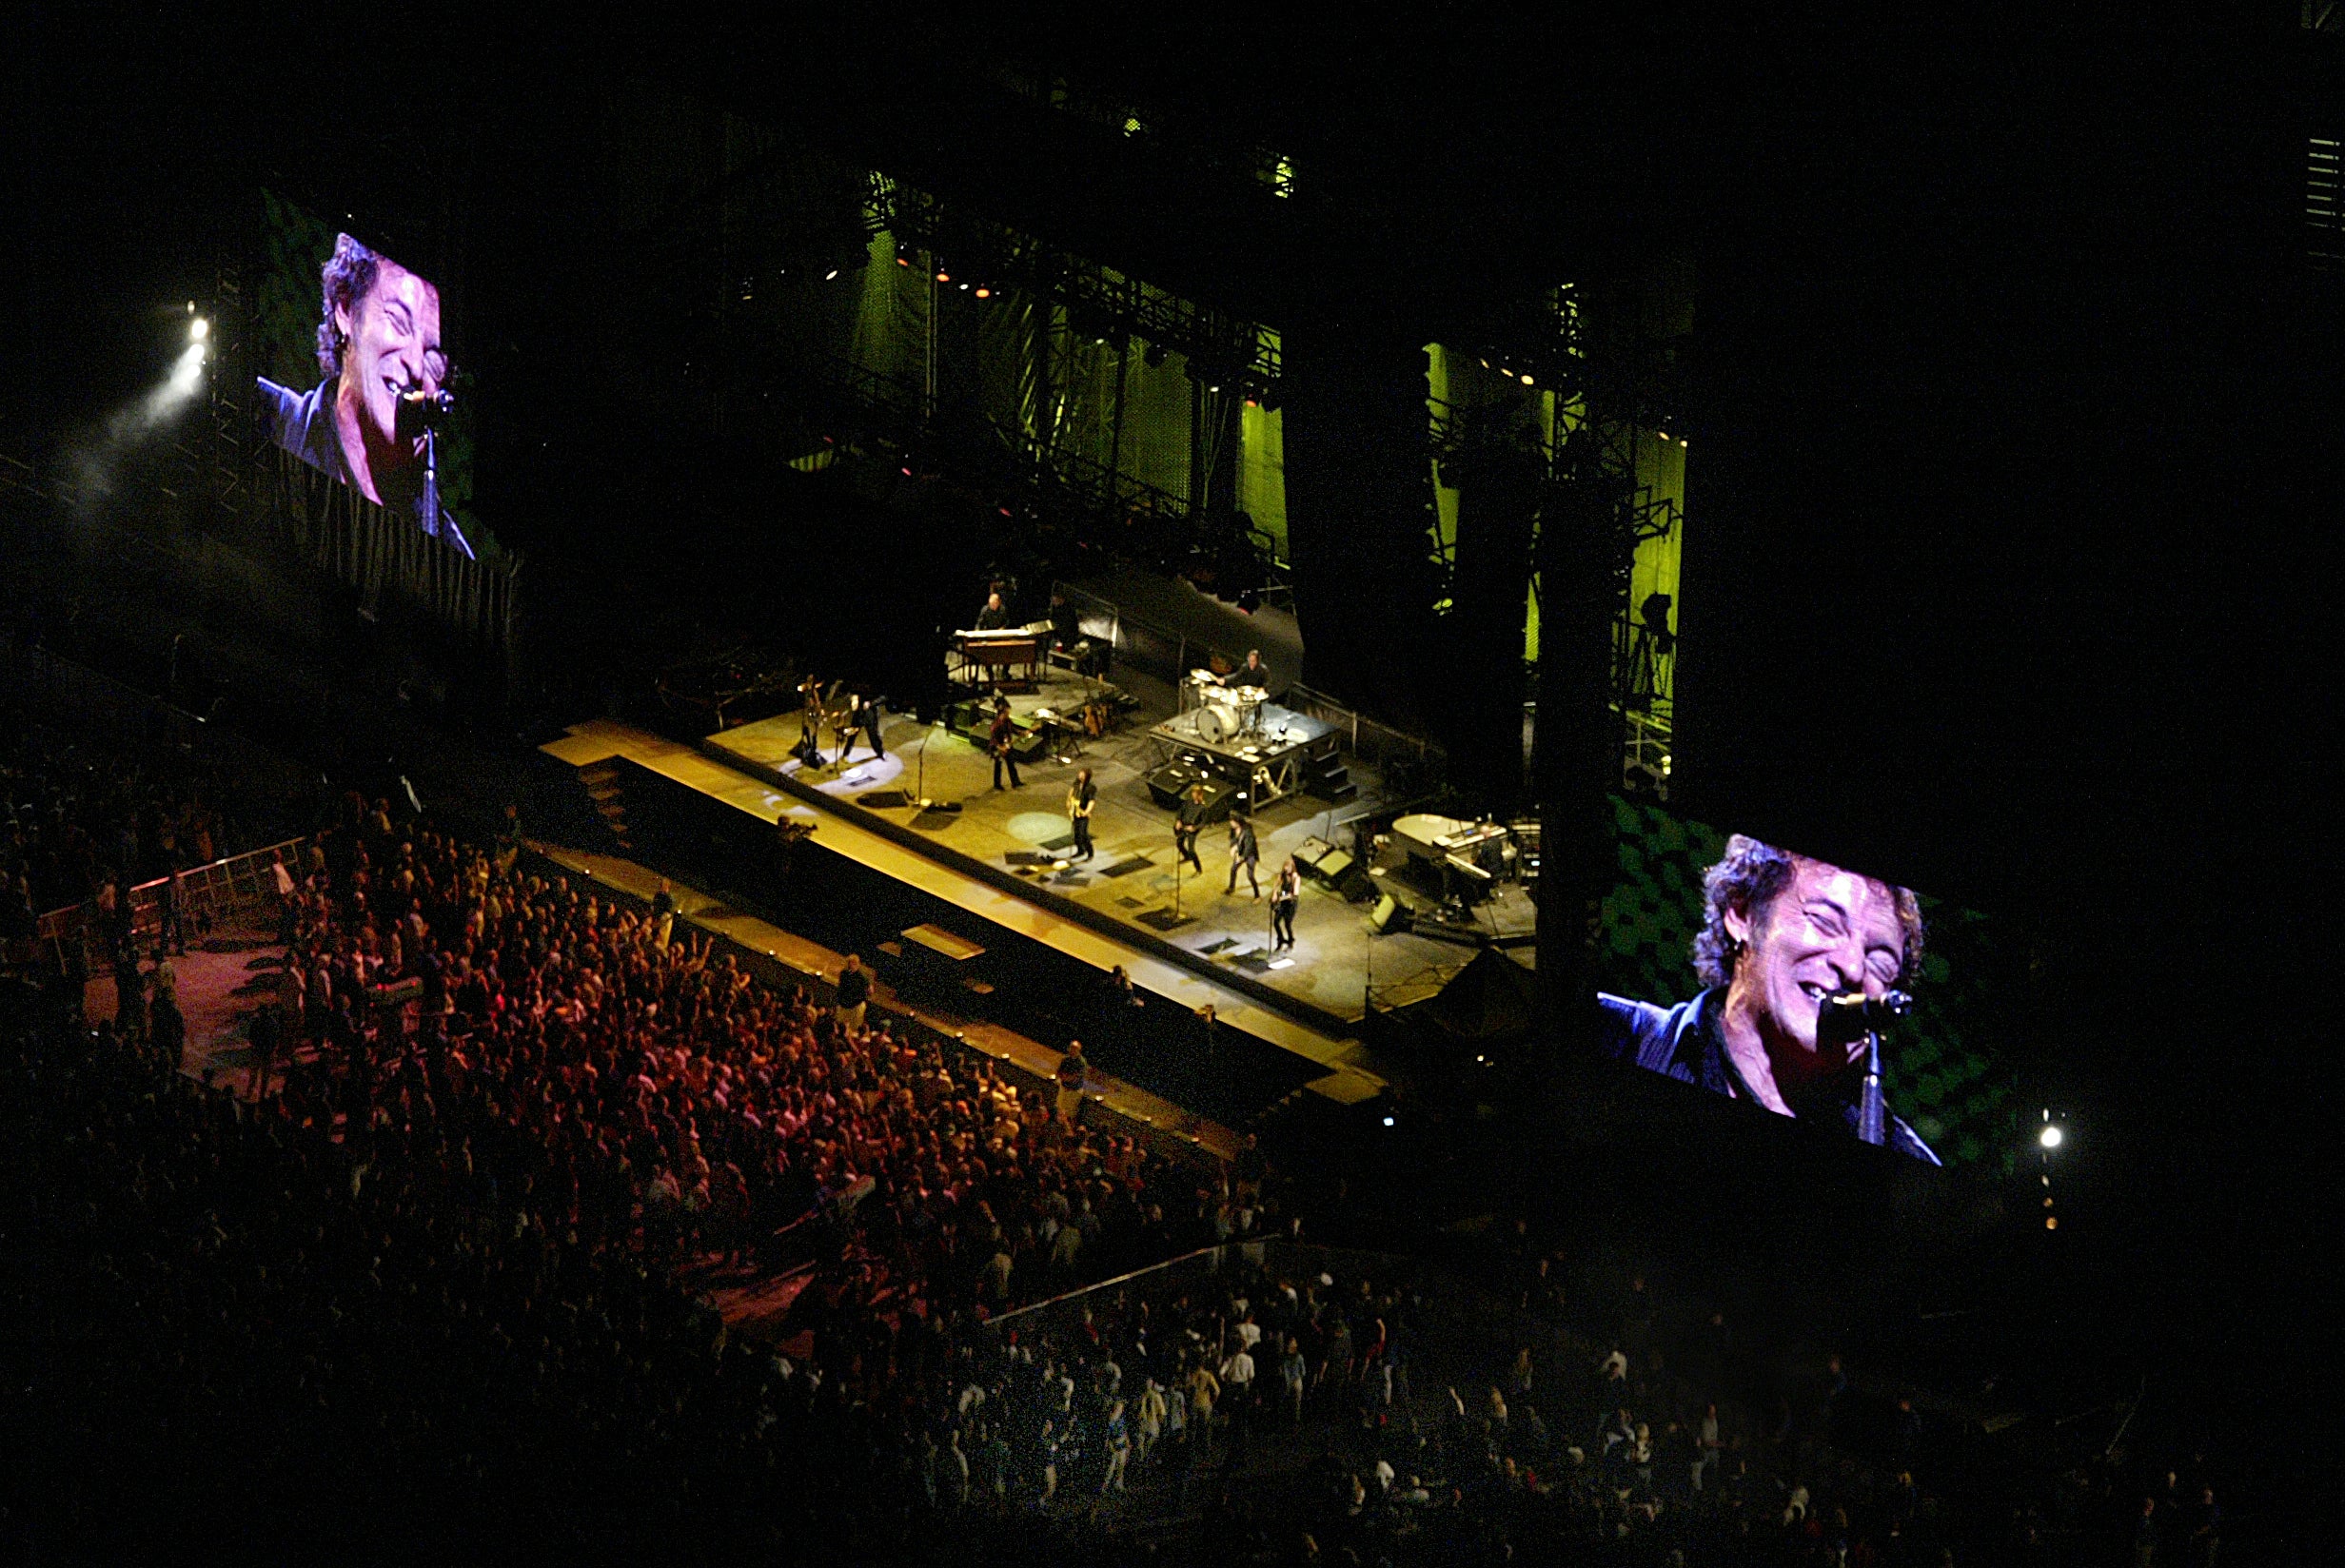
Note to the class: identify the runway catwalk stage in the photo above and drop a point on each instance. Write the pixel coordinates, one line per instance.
(1133, 877)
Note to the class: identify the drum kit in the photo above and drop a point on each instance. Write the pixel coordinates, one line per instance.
(1226, 713)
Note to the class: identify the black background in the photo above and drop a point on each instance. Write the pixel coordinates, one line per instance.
(2014, 411)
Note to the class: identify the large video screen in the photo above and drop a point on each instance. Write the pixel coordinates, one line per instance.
(379, 415)
(1805, 990)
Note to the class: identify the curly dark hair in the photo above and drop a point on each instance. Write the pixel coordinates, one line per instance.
(347, 276)
(1747, 878)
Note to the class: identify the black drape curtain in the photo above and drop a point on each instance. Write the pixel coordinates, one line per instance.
(1497, 469)
(1358, 528)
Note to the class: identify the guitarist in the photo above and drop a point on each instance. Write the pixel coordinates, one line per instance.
(998, 741)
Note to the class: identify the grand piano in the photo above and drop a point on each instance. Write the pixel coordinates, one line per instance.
(1463, 858)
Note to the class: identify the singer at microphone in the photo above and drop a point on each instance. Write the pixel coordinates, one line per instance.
(371, 423)
(1800, 962)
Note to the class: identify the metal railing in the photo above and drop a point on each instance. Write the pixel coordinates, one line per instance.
(208, 892)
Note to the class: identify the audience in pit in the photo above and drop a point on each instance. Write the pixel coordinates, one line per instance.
(431, 1289)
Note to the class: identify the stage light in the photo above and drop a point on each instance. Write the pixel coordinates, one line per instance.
(903, 261)
(1526, 378)
(832, 273)
(964, 288)
(199, 329)
(1663, 434)
(2049, 1137)
(985, 293)
(945, 277)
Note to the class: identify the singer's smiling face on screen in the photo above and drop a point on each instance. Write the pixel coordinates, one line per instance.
(393, 338)
(1827, 931)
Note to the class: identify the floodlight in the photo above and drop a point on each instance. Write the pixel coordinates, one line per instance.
(199, 329)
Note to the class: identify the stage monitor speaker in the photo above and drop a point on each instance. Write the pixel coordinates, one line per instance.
(1322, 861)
(1387, 917)
(1168, 784)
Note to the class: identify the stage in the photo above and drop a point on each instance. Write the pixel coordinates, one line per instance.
(1328, 1063)
(1133, 880)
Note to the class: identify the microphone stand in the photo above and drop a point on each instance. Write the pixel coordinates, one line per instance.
(1872, 1112)
(1872, 1116)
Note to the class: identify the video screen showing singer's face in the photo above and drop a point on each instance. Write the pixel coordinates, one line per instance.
(385, 344)
(1827, 931)
(378, 344)
(1781, 933)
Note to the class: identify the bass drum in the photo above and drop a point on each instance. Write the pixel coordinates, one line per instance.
(1214, 724)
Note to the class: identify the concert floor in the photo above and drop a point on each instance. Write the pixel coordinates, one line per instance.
(1334, 958)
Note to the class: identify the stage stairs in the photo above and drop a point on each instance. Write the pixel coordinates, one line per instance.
(608, 793)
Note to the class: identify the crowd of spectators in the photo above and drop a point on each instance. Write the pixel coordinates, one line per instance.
(492, 1115)
(425, 1279)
